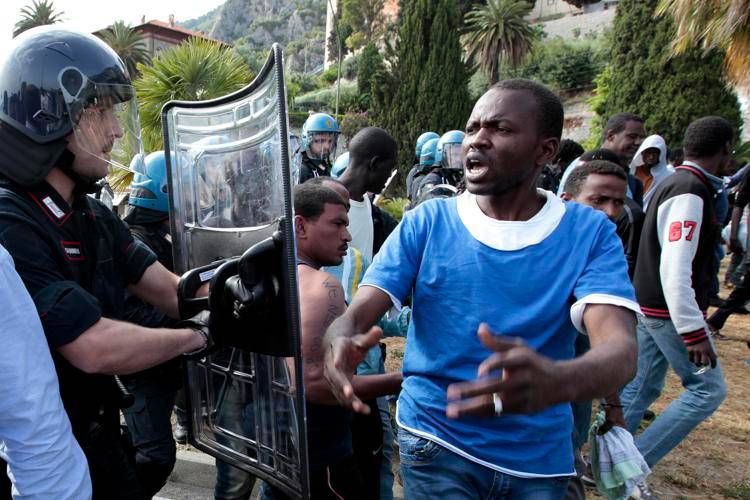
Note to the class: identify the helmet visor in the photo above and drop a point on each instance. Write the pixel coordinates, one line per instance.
(452, 158)
(322, 145)
(106, 130)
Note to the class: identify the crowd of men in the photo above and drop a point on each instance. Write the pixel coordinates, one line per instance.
(529, 277)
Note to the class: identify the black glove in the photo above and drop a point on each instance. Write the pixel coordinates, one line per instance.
(200, 324)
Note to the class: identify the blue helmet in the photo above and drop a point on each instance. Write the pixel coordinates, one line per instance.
(149, 186)
(319, 124)
(422, 139)
(340, 165)
(427, 156)
(448, 153)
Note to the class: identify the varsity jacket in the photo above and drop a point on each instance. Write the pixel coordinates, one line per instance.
(673, 269)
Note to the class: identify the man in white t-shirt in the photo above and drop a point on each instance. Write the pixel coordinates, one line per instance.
(372, 156)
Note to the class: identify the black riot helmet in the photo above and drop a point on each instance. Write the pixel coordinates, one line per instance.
(50, 80)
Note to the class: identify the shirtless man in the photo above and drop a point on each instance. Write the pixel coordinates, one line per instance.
(320, 223)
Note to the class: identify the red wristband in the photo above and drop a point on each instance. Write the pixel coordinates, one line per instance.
(695, 337)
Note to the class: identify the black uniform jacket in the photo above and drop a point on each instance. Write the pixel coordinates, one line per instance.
(76, 263)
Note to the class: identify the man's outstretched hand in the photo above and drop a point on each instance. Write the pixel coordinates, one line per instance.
(525, 380)
(342, 356)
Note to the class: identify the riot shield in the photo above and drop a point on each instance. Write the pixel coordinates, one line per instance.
(230, 197)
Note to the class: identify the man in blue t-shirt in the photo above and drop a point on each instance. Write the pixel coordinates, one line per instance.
(501, 278)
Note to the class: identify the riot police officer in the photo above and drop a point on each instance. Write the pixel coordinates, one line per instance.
(427, 163)
(67, 105)
(416, 170)
(447, 168)
(319, 137)
(154, 390)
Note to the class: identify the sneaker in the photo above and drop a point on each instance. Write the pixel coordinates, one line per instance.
(180, 433)
(716, 333)
(648, 415)
(642, 492)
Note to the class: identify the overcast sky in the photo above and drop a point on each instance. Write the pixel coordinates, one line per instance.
(90, 15)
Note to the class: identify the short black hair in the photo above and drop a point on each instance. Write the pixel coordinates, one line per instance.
(370, 142)
(578, 176)
(706, 136)
(675, 154)
(550, 113)
(569, 151)
(617, 123)
(601, 154)
(310, 199)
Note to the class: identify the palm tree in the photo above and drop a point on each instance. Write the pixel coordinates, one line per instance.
(196, 70)
(38, 13)
(128, 44)
(498, 31)
(722, 24)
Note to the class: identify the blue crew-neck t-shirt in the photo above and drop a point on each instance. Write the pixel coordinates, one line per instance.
(529, 279)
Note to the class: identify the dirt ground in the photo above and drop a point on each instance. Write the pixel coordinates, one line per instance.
(714, 460)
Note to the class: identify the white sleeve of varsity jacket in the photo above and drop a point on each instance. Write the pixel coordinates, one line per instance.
(678, 222)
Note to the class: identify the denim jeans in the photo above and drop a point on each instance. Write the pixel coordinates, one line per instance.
(430, 470)
(660, 346)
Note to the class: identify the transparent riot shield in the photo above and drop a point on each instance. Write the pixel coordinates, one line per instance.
(230, 194)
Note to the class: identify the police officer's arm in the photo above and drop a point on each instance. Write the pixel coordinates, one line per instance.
(117, 347)
(158, 287)
(321, 302)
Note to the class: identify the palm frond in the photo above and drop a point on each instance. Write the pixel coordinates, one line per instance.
(39, 13)
(196, 70)
(498, 31)
(128, 44)
(714, 24)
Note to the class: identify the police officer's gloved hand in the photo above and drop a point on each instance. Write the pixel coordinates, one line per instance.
(199, 324)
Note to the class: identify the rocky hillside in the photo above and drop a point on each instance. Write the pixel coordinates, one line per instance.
(253, 25)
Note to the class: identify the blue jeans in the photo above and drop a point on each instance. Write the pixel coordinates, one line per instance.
(429, 470)
(660, 346)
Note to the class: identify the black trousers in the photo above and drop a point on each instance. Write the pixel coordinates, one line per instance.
(111, 463)
(5, 485)
(334, 482)
(367, 441)
(735, 301)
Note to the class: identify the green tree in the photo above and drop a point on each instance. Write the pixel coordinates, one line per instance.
(565, 65)
(714, 24)
(668, 91)
(196, 70)
(498, 31)
(37, 14)
(424, 86)
(365, 19)
(128, 44)
(369, 63)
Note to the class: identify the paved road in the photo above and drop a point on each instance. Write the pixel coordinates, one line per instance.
(193, 479)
